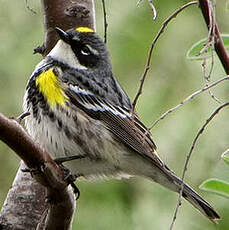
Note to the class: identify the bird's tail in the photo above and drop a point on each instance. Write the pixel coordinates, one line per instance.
(172, 182)
(157, 171)
(198, 202)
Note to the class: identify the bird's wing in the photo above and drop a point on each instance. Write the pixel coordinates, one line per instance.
(123, 124)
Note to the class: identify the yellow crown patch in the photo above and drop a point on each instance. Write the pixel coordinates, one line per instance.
(84, 30)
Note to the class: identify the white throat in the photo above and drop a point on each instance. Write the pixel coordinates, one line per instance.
(62, 52)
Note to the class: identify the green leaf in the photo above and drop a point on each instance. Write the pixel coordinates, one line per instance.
(194, 52)
(225, 157)
(216, 186)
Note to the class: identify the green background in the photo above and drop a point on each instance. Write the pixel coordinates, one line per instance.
(136, 203)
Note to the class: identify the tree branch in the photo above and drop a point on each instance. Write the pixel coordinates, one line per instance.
(23, 204)
(219, 46)
(189, 156)
(206, 7)
(148, 61)
(43, 169)
(64, 14)
(187, 99)
(105, 21)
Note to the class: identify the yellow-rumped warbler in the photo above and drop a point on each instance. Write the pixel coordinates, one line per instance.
(78, 109)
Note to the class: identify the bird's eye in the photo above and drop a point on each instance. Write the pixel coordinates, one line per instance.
(85, 51)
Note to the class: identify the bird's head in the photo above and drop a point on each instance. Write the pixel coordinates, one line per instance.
(80, 48)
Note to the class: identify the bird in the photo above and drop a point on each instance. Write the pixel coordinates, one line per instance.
(79, 111)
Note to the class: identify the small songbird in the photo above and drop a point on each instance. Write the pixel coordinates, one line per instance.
(78, 109)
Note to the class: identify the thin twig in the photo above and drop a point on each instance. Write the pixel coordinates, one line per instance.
(219, 46)
(139, 2)
(105, 21)
(206, 8)
(189, 156)
(213, 7)
(210, 43)
(148, 61)
(151, 6)
(208, 75)
(22, 116)
(29, 8)
(187, 99)
(212, 94)
(153, 9)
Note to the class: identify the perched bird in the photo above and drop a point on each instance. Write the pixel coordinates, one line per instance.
(78, 109)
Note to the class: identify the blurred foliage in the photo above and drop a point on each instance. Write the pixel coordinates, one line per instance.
(219, 187)
(200, 51)
(137, 203)
(225, 157)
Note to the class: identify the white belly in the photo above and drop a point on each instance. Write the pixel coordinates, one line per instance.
(83, 137)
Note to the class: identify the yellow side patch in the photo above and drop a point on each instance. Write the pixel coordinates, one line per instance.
(49, 86)
(84, 30)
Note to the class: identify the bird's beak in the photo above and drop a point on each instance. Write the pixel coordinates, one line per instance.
(63, 35)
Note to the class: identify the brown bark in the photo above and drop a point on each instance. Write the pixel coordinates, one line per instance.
(25, 201)
(19, 205)
(66, 15)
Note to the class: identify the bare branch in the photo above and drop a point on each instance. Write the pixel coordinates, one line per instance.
(214, 38)
(16, 138)
(66, 15)
(205, 6)
(60, 212)
(187, 99)
(29, 8)
(43, 169)
(151, 6)
(153, 9)
(147, 66)
(210, 43)
(189, 156)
